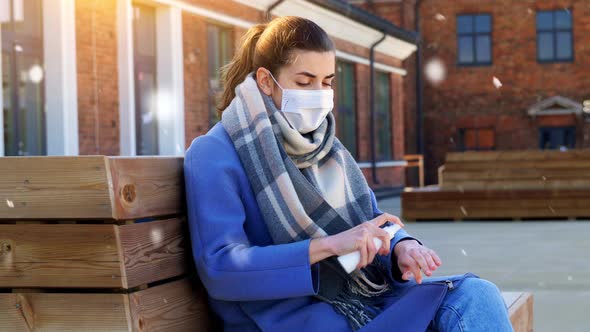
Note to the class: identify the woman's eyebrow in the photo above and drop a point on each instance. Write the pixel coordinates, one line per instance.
(308, 74)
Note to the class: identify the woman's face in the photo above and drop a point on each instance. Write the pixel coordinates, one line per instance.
(308, 71)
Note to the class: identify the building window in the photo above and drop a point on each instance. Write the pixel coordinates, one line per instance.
(383, 117)
(476, 139)
(23, 86)
(554, 36)
(474, 39)
(562, 138)
(346, 106)
(219, 51)
(145, 69)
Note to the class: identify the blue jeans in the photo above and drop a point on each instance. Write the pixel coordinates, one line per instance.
(473, 305)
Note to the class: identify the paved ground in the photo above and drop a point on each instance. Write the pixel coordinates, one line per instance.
(549, 259)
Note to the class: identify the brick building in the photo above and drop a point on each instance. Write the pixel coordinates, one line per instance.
(122, 77)
(497, 74)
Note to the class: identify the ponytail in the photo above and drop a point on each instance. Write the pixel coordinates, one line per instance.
(242, 63)
(270, 46)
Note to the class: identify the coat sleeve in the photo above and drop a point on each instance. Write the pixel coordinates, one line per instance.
(230, 267)
(390, 260)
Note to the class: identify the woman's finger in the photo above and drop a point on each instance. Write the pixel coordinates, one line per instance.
(380, 220)
(371, 250)
(417, 255)
(364, 253)
(410, 268)
(386, 243)
(415, 270)
(429, 260)
(384, 237)
(385, 217)
(395, 220)
(407, 275)
(435, 257)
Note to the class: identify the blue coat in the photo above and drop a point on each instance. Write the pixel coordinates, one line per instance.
(254, 285)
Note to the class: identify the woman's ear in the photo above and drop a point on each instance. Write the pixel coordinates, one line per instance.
(265, 82)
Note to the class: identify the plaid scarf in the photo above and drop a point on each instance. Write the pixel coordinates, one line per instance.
(293, 177)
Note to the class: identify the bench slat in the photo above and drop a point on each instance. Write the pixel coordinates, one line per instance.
(175, 306)
(90, 187)
(436, 203)
(516, 170)
(92, 256)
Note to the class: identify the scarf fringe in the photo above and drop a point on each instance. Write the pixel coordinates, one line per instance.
(363, 283)
(360, 302)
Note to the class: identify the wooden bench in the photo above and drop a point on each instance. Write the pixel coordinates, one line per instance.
(505, 185)
(95, 243)
(516, 170)
(520, 308)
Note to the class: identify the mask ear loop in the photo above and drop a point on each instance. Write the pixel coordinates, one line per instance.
(280, 87)
(283, 90)
(273, 78)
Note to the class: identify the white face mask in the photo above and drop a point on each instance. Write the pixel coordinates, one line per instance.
(306, 109)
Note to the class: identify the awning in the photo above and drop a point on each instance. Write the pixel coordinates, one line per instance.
(347, 22)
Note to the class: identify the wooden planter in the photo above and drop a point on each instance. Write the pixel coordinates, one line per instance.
(505, 185)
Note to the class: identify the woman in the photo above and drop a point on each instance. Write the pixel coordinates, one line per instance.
(273, 198)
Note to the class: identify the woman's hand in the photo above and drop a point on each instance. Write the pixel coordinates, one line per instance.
(358, 238)
(412, 258)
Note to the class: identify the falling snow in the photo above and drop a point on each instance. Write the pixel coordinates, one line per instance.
(463, 210)
(497, 82)
(156, 235)
(440, 17)
(35, 74)
(435, 71)
(147, 118)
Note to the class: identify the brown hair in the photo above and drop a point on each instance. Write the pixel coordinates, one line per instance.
(270, 45)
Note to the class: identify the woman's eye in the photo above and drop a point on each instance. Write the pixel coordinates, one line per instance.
(328, 84)
(302, 84)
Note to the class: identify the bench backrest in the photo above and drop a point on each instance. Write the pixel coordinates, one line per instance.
(98, 234)
(516, 170)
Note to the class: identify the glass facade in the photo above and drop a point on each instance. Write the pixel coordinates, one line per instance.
(383, 117)
(346, 106)
(145, 71)
(23, 79)
(220, 52)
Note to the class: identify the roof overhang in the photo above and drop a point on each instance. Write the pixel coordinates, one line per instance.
(346, 22)
(556, 105)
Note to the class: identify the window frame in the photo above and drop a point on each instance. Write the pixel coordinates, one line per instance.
(474, 35)
(461, 139)
(169, 73)
(338, 81)
(9, 38)
(391, 152)
(554, 31)
(212, 100)
(551, 130)
(140, 62)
